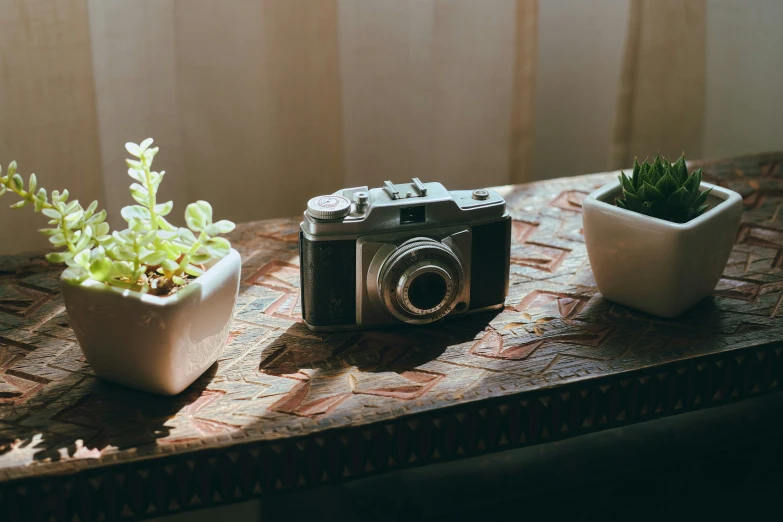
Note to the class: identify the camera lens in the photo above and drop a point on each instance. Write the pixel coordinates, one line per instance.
(425, 287)
(420, 281)
(427, 290)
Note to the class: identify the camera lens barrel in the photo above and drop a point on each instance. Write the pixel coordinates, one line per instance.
(424, 287)
(420, 281)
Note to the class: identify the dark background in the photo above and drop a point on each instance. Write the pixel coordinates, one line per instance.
(718, 464)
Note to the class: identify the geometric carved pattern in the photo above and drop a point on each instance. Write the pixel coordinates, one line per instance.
(285, 408)
(542, 257)
(282, 277)
(763, 236)
(20, 301)
(570, 200)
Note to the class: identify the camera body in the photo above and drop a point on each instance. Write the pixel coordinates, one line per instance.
(409, 253)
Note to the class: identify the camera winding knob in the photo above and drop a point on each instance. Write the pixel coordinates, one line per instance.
(328, 207)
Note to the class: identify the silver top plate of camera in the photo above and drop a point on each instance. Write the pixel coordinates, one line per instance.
(396, 207)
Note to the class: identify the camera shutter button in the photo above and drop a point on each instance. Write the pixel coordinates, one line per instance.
(328, 207)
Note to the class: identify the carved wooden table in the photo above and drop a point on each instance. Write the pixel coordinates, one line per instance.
(285, 408)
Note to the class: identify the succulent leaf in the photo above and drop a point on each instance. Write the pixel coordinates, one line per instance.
(193, 270)
(632, 202)
(650, 193)
(58, 257)
(700, 199)
(144, 145)
(678, 198)
(133, 149)
(221, 227)
(627, 184)
(154, 258)
(636, 170)
(680, 170)
(666, 185)
(169, 265)
(75, 274)
(101, 269)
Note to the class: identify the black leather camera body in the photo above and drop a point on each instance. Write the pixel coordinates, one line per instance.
(410, 253)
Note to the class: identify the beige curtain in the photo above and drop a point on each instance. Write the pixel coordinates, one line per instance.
(662, 89)
(47, 107)
(260, 104)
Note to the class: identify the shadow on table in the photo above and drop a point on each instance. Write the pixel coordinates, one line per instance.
(390, 362)
(393, 349)
(106, 415)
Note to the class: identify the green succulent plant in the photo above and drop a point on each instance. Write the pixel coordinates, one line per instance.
(663, 190)
(151, 255)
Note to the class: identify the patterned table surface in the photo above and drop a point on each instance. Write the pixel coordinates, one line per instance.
(285, 408)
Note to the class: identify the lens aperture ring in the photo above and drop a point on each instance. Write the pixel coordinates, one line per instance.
(436, 287)
(425, 268)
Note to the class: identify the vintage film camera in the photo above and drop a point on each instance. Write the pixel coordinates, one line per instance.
(408, 253)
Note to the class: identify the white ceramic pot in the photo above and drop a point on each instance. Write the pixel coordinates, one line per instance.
(156, 344)
(653, 265)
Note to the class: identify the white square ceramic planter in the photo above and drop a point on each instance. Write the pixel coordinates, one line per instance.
(653, 265)
(156, 344)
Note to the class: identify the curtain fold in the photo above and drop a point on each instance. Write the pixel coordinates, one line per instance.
(523, 110)
(427, 88)
(661, 102)
(258, 87)
(134, 55)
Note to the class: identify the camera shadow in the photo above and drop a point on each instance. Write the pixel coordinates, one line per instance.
(395, 349)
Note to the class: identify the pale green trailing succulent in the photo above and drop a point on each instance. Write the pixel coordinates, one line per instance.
(663, 190)
(151, 255)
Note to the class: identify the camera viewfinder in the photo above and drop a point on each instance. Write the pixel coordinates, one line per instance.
(411, 215)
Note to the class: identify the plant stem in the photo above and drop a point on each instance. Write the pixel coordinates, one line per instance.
(30, 198)
(136, 261)
(193, 249)
(151, 192)
(68, 242)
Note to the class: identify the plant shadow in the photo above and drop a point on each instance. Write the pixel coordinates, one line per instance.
(106, 415)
